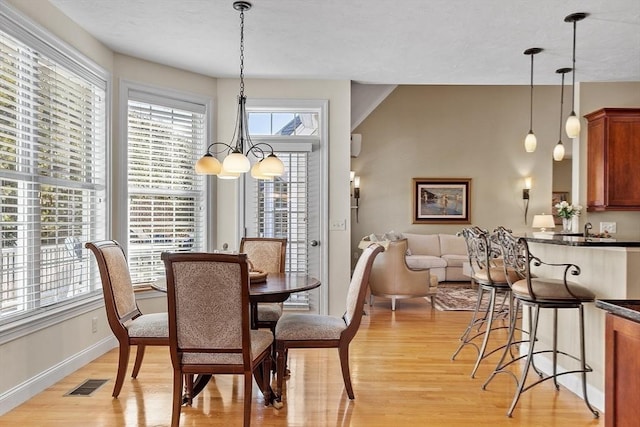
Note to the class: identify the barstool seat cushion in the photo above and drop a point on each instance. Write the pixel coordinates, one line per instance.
(498, 276)
(551, 290)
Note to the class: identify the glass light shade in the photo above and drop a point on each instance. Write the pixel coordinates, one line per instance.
(572, 126)
(208, 165)
(236, 163)
(256, 172)
(225, 174)
(356, 182)
(527, 183)
(530, 142)
(558, 152)
(352, 175)
(271, 166)
(543, 222)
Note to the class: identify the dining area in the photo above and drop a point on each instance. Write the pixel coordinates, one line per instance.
(225, 316)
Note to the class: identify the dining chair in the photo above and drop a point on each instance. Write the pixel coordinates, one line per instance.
(126, 321)
(209, 325)
(298, 330)
(539, 292)
(266, 254)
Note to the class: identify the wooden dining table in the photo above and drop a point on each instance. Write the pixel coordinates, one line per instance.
(276, 287)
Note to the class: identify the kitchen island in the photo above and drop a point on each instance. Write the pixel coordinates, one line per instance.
(608, 267)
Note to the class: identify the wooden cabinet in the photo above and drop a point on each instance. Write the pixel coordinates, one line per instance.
(613, 181)
(622, 372)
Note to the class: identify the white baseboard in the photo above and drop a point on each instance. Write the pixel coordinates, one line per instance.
(572, 382)
(28, 389)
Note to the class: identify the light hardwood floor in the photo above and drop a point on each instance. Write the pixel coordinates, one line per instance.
(401, 371)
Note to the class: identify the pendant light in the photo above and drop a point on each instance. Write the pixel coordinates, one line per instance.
(530, 141)
(237, 162)
(558, 150)
(573, 123)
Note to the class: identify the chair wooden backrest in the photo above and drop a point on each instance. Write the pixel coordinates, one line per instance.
(119, 298)
(208, 305)
(265, 253)
(358, 289)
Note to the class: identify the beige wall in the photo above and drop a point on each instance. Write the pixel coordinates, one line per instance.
(472, 132)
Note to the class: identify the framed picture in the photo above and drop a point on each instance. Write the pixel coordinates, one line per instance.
(557, 197)
(441, 200)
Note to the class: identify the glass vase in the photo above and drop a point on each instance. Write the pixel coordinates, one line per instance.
(566, 225)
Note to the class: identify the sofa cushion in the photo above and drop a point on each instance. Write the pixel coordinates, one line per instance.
(421, 262)
(423, 244)
(451, 244)
(455, 260)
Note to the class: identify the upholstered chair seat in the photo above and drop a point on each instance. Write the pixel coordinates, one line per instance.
(149, 325)
(495, 275)
(310, 327)
(269, 312)
(546, 289)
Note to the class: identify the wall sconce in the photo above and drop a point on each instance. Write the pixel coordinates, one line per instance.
(525, 196)
(543, 222)
(356, 192)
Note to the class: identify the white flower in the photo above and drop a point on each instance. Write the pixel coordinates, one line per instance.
(567, 210)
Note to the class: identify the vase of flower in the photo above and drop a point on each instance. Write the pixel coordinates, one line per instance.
(567, 211)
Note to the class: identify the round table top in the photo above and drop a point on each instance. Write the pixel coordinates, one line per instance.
(275, 284)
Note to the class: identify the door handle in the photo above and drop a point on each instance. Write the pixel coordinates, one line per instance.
(314, 243)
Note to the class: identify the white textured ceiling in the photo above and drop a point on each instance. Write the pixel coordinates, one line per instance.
(374, 41)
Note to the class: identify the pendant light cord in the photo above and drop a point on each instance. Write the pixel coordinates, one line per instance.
(531, 98)
(242, 52)
(561, 104)
(573, 73)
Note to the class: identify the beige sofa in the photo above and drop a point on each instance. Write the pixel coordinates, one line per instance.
(443, 254)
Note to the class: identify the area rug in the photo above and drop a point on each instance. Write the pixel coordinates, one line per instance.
(455, 296)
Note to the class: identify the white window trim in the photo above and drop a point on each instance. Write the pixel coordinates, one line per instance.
(181, 97)
(13, 22)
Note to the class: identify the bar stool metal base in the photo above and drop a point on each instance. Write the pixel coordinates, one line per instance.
(529, 357)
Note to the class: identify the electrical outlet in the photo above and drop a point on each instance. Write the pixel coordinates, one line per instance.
(608, 227)
(94, 325)
(338, 225)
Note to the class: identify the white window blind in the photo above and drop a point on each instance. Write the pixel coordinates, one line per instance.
(166, 197)
(278, 209)
(52, 172)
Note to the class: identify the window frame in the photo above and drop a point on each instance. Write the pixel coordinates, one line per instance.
(42, 41)
(150, 93)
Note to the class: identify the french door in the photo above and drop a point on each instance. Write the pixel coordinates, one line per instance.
(292, 205)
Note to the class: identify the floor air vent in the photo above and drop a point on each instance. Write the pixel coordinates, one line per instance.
(87, 388)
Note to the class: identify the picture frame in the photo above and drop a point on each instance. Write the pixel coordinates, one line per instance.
(557, 197)
(441, 200)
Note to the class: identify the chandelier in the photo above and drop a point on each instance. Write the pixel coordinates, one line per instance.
(237, 162)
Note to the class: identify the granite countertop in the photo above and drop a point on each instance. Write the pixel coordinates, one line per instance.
(579, 240)
(627, 308)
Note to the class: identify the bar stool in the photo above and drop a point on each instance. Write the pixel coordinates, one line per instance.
(539, 292)
(489, 276)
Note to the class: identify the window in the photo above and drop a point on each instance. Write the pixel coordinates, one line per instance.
(166, 198)
(52, 169)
